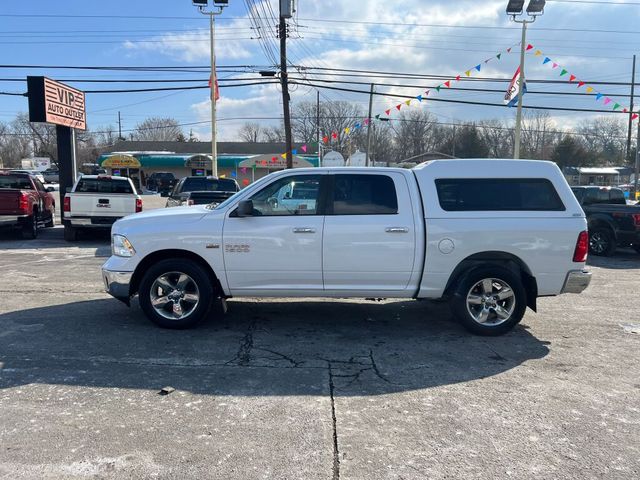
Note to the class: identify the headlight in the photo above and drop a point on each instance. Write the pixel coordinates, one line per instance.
(121, 246)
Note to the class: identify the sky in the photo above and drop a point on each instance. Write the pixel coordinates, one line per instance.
(593, 40)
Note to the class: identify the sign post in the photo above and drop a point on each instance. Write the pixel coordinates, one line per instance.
(64, 106)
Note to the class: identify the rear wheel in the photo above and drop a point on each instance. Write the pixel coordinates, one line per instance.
(489, 301)
(601, 242)
(176, 293)
(70, 233)
(30, 227)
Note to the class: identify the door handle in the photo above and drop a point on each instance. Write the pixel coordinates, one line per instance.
(396, 230)
(304, 230)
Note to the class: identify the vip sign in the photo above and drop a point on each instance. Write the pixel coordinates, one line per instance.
(55, 102)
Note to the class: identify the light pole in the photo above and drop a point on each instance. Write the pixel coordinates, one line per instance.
(514, 9)
(218, 5)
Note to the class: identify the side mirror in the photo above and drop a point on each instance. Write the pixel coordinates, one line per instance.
(51, 189)
(245, 208)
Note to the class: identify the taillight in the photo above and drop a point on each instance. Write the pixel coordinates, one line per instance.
(24, 202)
(636, 219)
(582, 248)
(138, 205)
(67, 204)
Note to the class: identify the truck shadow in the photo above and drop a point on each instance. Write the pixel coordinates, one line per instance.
(53, 239)
(624, 259)
(261, 347)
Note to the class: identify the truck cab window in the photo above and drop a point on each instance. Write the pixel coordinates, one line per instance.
(295, 195)
(367, 194)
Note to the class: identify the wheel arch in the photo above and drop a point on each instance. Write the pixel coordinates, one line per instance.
(159, 255)
(503, 259)
(602, 221)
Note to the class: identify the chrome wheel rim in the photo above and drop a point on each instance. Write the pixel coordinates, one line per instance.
(174, 295)
(491, 301)
(597, 243)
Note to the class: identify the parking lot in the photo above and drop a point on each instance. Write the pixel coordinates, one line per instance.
(309, 389)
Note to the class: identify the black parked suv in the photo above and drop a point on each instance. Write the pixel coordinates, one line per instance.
(202, 191)
(161, 182)
(612, 223)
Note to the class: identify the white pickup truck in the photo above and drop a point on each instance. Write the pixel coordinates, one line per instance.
(97, 201)
(490, 235)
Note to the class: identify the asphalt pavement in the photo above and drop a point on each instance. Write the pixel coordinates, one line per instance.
(308, 388)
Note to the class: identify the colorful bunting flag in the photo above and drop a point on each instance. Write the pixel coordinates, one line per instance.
(589, 89)
(498, 56)
(555, 65)
(388, 112)
(538, 53)
(467, 73)
(325, 139)
(563, 72)
(366, 121)
(599, 96)
(616, 106)
(509, 50)
(347, 130)
(447, 84)
(478, 67)
(546, 60)
(607, 100)
(304, 148)
(529, 47)
(634, 116)
(419, 98)
(572, 78)
(408, 102)
(284, 155)
(580, 84)
(399, 106)
(378, 117)
(458, 78)
(274, 159)
(438, 88)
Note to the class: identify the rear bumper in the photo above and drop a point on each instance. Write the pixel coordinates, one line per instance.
(577, 281)
(90, 222)
(117, 284)
(8, 220)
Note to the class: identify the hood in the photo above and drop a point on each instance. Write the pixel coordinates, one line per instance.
(162, 216)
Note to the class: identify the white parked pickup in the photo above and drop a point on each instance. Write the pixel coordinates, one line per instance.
(97, 201)
(489, 235)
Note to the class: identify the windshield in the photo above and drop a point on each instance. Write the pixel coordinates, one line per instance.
(103, 185)
(224, 204)
(209, 185)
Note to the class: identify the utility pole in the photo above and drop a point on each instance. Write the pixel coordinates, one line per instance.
(219, 5)
(119, 127)
(637, 170)
(633, 84)
(366, 162)
(318, 126)
(284, 80)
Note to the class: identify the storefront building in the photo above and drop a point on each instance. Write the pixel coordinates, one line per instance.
(244, 167)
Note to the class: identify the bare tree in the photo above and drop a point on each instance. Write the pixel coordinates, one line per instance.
(157, 129)
(417, 132)
(606, 137)
(274, 134)
(498, 138)
(251, 132)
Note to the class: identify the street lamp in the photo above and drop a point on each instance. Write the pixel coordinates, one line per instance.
(218, 5)
(534, 10)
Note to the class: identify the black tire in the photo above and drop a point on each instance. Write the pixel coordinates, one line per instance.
(199, 284)
(30, 227)
(51, 221)
(70, 233)
(469, 287)
(602, 242)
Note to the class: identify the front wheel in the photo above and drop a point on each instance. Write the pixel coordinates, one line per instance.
(176, 293)
(489, 301)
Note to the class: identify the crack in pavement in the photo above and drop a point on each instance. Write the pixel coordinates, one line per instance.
(243, 357)
(336, 450)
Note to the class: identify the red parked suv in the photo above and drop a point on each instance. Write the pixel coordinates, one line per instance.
(25, 203)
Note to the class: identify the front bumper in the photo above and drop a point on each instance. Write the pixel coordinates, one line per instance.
(577, 281)
(117, 284)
